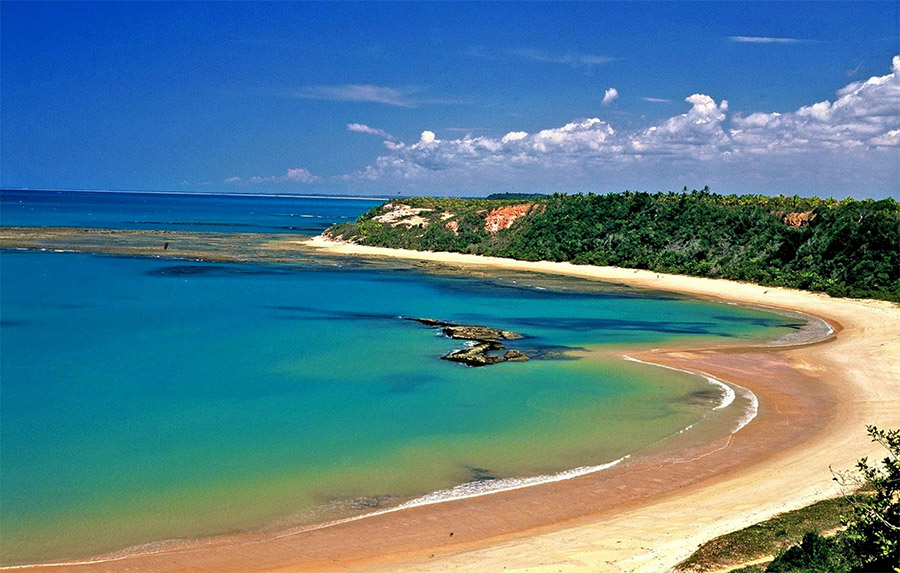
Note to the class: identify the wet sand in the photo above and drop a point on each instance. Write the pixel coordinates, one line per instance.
(648, 513)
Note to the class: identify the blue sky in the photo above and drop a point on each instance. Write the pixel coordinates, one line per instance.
(452, 98)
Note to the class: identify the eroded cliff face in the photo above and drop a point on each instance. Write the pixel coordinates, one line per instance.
(503, 217)
(399, 214)
(800, 219)
(394, 214)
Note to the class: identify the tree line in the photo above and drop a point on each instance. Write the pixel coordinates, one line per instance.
(843, 247)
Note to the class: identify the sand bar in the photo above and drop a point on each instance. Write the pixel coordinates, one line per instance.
(644, 515)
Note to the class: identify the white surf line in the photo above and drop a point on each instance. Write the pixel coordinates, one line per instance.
(463, 491)
(728, 393)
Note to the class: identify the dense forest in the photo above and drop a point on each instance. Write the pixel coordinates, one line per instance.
(845, 248)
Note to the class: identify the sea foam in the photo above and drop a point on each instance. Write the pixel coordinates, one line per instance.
(728, 393)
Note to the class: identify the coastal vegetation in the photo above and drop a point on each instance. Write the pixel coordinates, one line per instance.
(762, 540)
(843, 247)
(862, 528)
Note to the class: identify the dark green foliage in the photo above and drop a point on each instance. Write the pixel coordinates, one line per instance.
(871, 541)
(766, 538)
(874, 531)
(815, 554)
(845, 248)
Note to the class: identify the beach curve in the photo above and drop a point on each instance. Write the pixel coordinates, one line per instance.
(818, 418)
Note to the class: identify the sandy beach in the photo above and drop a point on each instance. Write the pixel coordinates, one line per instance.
(644, 515)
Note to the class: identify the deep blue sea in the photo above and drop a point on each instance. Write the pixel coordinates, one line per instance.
(178, 212)
(146, 399)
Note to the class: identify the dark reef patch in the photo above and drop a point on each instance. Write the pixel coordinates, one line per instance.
(214, 270)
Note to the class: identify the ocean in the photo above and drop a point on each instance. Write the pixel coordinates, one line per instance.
(147, 399)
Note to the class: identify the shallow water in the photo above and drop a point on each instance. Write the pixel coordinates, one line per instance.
(144, 399)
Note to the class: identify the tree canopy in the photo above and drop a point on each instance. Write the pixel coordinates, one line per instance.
(845, 248)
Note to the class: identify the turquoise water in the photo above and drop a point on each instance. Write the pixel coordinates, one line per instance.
(144, 400)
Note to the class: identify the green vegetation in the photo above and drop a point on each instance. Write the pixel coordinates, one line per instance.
(870, 542)
(814, 554)
(872, 539)
(845, 248)
(768, 537)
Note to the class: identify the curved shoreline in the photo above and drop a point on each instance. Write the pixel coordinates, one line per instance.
(570, 538)
(464, 491)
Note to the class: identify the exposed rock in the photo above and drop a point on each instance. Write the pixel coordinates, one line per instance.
(481, 333)
(800, 219)
(453, 226)
(485, 337)
(509, 335)
(503, 217)
(468, 331)
(395, 214)
(476, 355)
(515, 356)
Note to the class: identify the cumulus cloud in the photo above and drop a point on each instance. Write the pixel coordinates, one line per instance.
(610, 96)
(363, 128)
(864, 115)
(301, 175)
(889, 139)
(297, 175)
(698, 132)
(514, 136)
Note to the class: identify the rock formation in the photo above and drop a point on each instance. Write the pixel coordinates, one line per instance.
(800, 219)
(486, 341)
(503, 217)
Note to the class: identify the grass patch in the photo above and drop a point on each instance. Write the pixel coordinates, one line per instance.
(750, 569)
(766, 538)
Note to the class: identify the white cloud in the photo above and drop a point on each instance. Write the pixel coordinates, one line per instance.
(589, 135)
(610, 96)
(656, 100)
(300, 175)
(889, 139)
(514, 136)
(363, 128)
(765, 40)
(864, 114)
(297, 175)
(825, 140)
